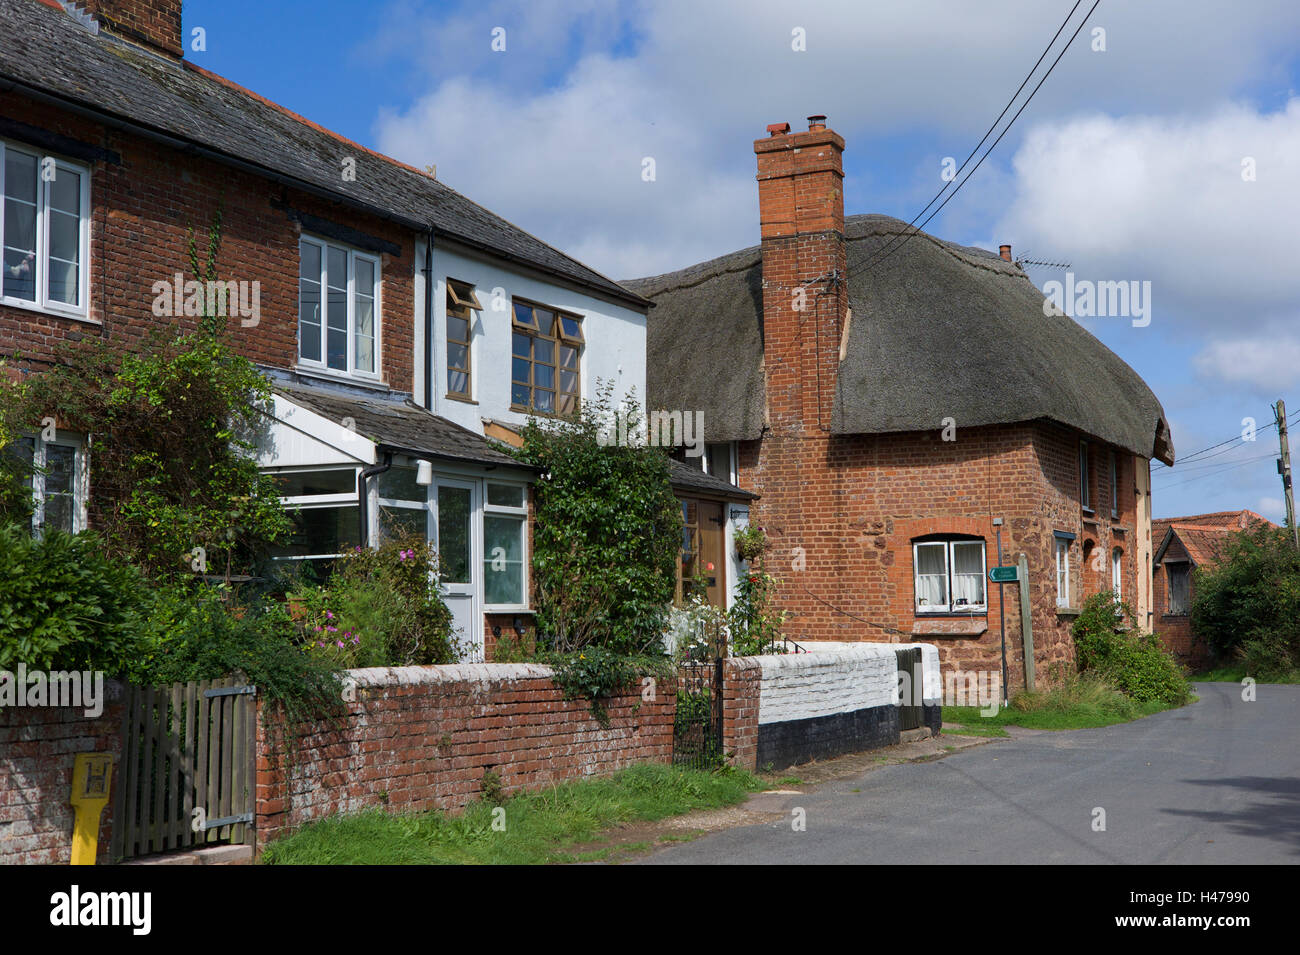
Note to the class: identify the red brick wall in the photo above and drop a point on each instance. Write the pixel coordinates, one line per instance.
(742, 680)
(842, 512)
(1175, 630)
(422, 738)
(141, 211)
(154, 22)
(37, 748)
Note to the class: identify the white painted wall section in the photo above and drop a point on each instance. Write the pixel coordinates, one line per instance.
(800, 686)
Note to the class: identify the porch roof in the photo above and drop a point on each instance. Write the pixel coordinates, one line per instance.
(683, 477)
(398, 424)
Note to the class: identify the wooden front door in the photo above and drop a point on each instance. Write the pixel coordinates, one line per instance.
(713, 558)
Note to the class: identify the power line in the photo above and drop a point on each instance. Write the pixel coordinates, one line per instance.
(881, 254)
(1222, 470)
(1195, 455)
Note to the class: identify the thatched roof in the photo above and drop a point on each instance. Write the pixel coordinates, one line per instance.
(938, 330)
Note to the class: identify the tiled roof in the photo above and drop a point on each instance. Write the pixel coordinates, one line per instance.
(48, 52)
(400, 425)
(1203, 536)
(684, 477)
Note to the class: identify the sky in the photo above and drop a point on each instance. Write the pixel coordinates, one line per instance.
(1164, 149)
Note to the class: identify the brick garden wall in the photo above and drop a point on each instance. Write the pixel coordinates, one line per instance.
(419, 738)
(37, 748)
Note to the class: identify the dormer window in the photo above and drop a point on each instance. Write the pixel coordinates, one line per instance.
(338, 309)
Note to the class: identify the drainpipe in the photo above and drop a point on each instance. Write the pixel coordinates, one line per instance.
(429, 285)
(363, 498)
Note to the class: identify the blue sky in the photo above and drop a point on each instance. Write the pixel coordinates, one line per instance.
(1128, 164)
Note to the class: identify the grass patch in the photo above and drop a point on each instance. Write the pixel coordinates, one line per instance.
(1083, 702)
(968, 729)
(1235, 674)
(538, 826)
(790, 781)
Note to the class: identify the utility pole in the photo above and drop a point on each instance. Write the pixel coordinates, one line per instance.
(1284, 469)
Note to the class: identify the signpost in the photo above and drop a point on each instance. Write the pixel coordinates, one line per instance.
(1004, 575)
(1002, 613)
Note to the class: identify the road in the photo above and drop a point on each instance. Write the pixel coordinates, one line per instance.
(1214, 782)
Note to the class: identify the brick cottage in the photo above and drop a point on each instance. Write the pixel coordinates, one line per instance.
(889, 396)
(1182, 545)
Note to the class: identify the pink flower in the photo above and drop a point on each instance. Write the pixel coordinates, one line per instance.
(340, 644)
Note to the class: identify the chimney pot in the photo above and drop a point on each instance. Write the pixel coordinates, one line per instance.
(778, 129)
(816, 123)
(1005, 251)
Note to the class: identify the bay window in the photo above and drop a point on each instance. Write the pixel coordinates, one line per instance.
(949, 575)
(44, 231)
(323, 516)
(338, 309)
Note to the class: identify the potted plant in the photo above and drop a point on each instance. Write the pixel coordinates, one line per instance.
(750, 542)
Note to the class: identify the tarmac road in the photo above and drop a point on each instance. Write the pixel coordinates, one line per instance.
(1214, 782)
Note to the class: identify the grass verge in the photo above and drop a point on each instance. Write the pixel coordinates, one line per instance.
(1235, 674)
(1083, 702)
(530, 828)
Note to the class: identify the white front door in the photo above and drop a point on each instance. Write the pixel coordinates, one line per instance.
(457, 512)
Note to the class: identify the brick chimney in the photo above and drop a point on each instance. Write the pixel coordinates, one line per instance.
(154, 24)
(801, 216)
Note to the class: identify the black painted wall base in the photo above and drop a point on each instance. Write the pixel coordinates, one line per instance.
(822, 737)
(932, 716)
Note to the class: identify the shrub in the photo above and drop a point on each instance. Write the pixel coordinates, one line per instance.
(1108, 645)
(607, 533)
(380, 608)
(755, 627)
(65, 605)
(198, 631)
(1248, 605)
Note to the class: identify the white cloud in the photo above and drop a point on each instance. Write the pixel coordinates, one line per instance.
(551, 133)
(1262, 364)
(1163, 199)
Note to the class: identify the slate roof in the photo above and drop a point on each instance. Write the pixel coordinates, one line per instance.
(400, 425)
(1203, 536)
(938, 330)
(684, 477)
(46, 50)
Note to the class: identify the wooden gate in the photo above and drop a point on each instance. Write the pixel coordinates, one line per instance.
(186, 778)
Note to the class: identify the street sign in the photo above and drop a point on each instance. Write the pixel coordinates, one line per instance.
(1003, 575)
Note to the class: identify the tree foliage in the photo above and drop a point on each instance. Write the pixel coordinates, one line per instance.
(1248, 604)
(607, 533)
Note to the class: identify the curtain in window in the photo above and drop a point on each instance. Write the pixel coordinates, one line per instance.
(967, 575)
(931, 575)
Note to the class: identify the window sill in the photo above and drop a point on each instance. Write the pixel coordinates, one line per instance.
(373, 382)
(463, 399)
(949, 626)
(502, 610)
(1068, 611)
(45, 310)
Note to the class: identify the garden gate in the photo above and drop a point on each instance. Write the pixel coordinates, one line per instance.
(697, 727)
(186, 778)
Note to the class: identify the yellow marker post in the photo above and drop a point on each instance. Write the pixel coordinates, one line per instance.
(92, 774)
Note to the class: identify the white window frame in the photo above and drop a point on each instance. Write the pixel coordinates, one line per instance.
(307, 502)
(321, 365)
(1117, 572)
(399, 503)
(43, 302)
(80, 479)
(1061, 546)
(949, 562)
(503, 510)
